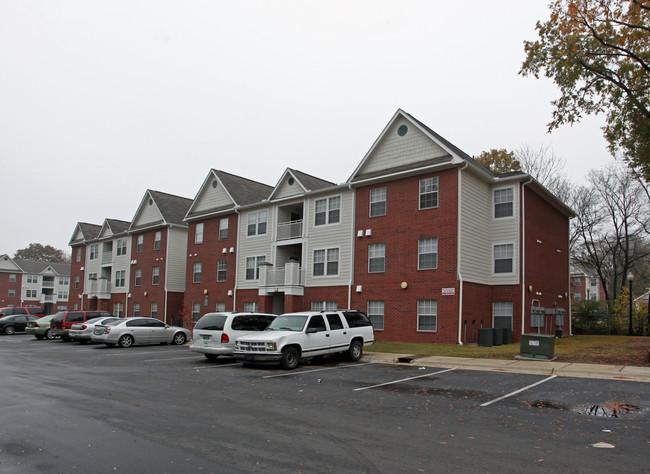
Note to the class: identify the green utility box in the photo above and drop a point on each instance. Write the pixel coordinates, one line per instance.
(537, 346)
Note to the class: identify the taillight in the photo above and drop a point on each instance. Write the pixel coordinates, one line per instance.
(224, 338)
(107, 330)
(36, 325)
(84, 327)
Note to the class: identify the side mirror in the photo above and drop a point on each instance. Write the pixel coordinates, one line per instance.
(311, 331)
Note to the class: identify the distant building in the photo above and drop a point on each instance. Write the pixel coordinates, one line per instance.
(586, 285)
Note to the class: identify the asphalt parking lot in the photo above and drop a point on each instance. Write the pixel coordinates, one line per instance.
(88, 408)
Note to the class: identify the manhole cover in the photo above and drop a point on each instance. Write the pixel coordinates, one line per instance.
(545, 404)
(609, 409)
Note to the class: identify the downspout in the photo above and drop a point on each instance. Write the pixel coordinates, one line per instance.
(523, 257)
(458, 257)
(352, 234)
(166, 271)
(570, 309)
(234, 290)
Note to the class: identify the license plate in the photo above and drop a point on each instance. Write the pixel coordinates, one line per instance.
(206, 337)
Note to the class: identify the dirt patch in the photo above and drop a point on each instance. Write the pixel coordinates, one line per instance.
(634, 352)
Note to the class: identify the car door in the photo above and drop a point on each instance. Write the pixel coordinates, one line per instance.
(339, 334)
(158, 331)
(317, 337)
(139, 329)
(20, 323)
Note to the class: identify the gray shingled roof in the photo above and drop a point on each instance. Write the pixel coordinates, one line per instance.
(173, 208)
(243, 190)
(311, 183)
(117, 226)
(88, 231)
(34, 268)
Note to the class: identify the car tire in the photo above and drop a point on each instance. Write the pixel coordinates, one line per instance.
(179, 339)
(125, 341)
(9, 330)
(290, 358)
(355, 351)
(211, 357)
(48, 335)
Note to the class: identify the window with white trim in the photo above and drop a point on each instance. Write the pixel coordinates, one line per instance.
(140, 243)
(376, 314)
(154, 310)
(118, 310)
(376, 258)
(121, 247)
(94, 252)
(78, 254)
(120, 278)
(12, 277)
(198, 233)
(502, 314)
(257, 221)
(157, 239)
(137, 280)
(136, 309)
(324, 306)
(155, 275)
(327, 211)
(92, 276)
(250, 306)
(503, 258)
(427, 315)
(253, 266)
(63, 295)
(503, 202)
(326, 262)
(220, 306)
(12, 293)
(429, 193)
(428, 253)
(196, 272)
(223, 229)
(30, 293)
(64, 281)
(196, 312)
(222, 266)
(32, 278)
(76, 282)
(378, 202)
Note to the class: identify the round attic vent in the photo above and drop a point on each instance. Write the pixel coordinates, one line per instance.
(150, 202)
(401, 131)
(214, 184)
(291, 181)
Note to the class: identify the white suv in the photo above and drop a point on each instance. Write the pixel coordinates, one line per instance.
(294, 336)
(215, 333)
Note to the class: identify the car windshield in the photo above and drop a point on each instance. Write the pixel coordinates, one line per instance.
(288, 323)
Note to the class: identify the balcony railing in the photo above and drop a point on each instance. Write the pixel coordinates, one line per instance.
(107, 258)
(47, 284)
(290, 230)
(45, 298)
(290, 279)
(100, 288)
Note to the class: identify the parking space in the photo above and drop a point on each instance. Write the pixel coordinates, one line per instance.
(375, 408)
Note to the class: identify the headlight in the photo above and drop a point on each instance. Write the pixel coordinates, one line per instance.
(271, 346)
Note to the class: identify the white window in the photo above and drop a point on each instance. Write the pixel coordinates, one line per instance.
(376, 258)
(576, 296)
(594, 282)
(576, 281)
(198, 234)
(92, 276)
(121, 247)
(326, 262)
(502, 314)
(136, 309)
(253, 266)
(138, 277)
(155, 275)
(118, 310)
(327, 211)
(94, 252)
(223, 229)
(257, 222)
(429, 193)
(12, 293)
(140, 243)
(63, 295)
(30, 293)
(12, 277)
(120, 278)
(427, 315)
(503, 257)
(250, 306)
(76, 282)
(154, 310)
(503, 202)
(377, 202)
(64, 281)
(220, 306)
(222, 265)
(75, 306)
(196, 274)
(32, 279)
(428, 253)
(78, 254)
(196, 312)
(157, 238)
(376, 314)
(324, 306)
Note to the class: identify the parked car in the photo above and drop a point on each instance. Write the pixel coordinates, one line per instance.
(63, 320)
(215, 333)
(9, 310)
(15, 323)
(139, 330)
(81, 332)
(294, 336)
(40, 328)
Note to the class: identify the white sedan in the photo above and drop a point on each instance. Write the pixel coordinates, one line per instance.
(139, 330)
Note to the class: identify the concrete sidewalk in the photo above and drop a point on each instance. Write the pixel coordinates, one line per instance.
(519, 366)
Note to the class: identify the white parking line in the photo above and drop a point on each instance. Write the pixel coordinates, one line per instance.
(286, 374)
(171, 358)
(402, 380)
(216, 366)
(121, 352)
(517, 391)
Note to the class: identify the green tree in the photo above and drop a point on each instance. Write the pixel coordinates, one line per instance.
(498, 161)
(39, 253)
(598, 53)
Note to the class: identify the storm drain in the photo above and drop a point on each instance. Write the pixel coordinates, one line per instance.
(609, 410)
(409, 359)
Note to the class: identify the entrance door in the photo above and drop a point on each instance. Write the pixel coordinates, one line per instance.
(278, 303)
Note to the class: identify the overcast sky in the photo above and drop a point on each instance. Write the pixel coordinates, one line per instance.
(101, 100)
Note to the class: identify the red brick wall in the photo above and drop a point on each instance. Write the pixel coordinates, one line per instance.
(547, 258)
(400, 230)
(147, 259)
(6, 285)
(76, 270)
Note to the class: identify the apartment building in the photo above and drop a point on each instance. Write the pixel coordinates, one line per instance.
(30, 283)
(83, 235)
(585, 286)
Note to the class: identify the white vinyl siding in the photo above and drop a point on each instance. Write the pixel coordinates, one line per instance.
(211, 197)
(176, 261)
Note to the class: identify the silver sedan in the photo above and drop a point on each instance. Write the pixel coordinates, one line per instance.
(82, 332)
(139, 330)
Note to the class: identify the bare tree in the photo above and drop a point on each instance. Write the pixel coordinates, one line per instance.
(546, 167)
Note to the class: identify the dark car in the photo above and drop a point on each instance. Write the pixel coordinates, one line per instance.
(15, 323)
(10, 310)
(63, 321)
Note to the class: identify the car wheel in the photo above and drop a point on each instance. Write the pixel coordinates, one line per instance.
(179, 339)
(290, 358)
(125, 341)
(48, 335)
(212, 357)
(9, 330)
(40, 338)
(355, 351)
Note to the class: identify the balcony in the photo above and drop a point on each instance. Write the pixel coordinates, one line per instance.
(107, 258)
(46, 298)
(47, 284)
(100, 289)
(289, 280)
(290, 230)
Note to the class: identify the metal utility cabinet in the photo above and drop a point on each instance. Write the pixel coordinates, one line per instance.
(537, 346)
